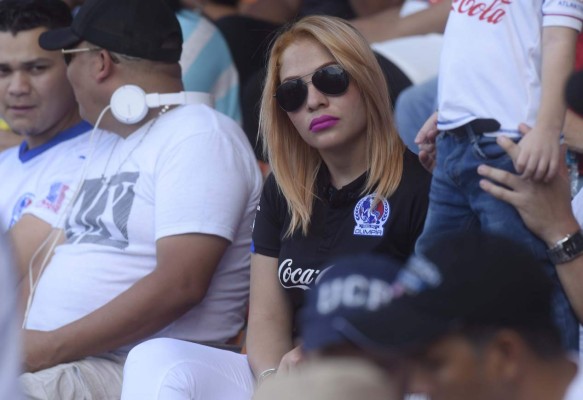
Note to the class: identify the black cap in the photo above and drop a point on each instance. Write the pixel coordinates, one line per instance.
(354, 285)
(140, 28)
(475, 280)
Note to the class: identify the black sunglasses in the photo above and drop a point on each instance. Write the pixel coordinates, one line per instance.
(331, 80)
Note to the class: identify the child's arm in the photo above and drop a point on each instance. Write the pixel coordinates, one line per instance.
(539, 149)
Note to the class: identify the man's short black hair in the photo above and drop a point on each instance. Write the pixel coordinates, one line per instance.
(545, 343)
(176, 5)
(24, 15)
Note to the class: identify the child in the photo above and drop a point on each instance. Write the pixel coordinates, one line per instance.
(504, 63)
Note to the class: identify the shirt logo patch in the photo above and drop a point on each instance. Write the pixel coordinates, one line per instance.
(56, 196)
(369, 220)
(23, 202)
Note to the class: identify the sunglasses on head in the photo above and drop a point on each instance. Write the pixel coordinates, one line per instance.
(68, 53)
(331, 80)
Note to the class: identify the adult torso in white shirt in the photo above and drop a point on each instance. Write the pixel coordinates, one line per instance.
(491, 59)
(192, 171)
(46, 174)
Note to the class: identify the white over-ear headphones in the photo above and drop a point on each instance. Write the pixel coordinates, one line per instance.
(130, 104)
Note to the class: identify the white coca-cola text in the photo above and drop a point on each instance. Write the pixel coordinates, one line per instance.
(298, 278)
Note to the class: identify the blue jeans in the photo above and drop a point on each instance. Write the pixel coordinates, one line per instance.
(456, 202)
(412, 108)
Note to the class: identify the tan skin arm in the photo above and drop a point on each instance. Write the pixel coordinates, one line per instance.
(185, 266)
(387, 25)
(283, 11)
(269, 334)
(539, 156)
(545, 209)
(27, 235)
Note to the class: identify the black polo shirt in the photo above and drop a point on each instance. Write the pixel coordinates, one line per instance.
(342, 223)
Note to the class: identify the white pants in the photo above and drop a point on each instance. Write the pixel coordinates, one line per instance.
(173, 369)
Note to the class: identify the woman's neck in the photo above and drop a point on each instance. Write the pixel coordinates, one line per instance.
(345, 168)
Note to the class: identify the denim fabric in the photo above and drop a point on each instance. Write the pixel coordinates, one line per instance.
(414, 105)
(456, 202)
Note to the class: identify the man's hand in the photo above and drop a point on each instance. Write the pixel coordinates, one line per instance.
(40, 350)
(545, 207)
(538, 157)
(425, 139)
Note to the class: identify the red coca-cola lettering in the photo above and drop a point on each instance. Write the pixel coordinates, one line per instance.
(491, 13)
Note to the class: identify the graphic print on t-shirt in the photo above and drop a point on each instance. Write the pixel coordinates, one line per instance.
(100, 214)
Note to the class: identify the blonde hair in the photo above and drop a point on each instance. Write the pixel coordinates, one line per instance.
(294, 163)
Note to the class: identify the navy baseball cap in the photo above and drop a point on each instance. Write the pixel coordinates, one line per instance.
(352, 286)
(477, 280)
(140, 28)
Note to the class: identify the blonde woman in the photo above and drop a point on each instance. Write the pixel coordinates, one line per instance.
(342, 183)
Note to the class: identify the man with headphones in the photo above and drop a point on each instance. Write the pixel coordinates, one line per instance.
(156, 242)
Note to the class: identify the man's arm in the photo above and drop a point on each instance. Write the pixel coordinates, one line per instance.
(274, 11)
(185, 266)
(545, 209)
(366, 8)
(27, 236)
(385, 25)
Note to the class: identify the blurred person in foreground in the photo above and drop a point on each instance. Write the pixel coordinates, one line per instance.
(478, 323)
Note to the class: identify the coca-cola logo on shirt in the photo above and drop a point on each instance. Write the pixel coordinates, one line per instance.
(297, 277)
(490, 11)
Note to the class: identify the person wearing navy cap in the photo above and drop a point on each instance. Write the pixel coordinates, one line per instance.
(480, 325)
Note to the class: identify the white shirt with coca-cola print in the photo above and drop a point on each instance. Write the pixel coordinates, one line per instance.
(491, 59)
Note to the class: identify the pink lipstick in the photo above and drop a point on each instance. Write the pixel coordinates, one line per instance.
(323, 122)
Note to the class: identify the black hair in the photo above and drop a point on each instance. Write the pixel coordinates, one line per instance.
(544, 341)
(23, 15)
(176, 5)
(230, 3)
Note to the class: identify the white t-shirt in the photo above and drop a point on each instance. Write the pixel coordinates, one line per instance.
(45, 174)
(491, 59)
(416, 56)
(9, 333)
(191, 170)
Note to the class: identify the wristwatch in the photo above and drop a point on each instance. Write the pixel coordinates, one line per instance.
(567, 249)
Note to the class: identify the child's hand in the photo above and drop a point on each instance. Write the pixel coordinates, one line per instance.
(425, 139)
(539, 155)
